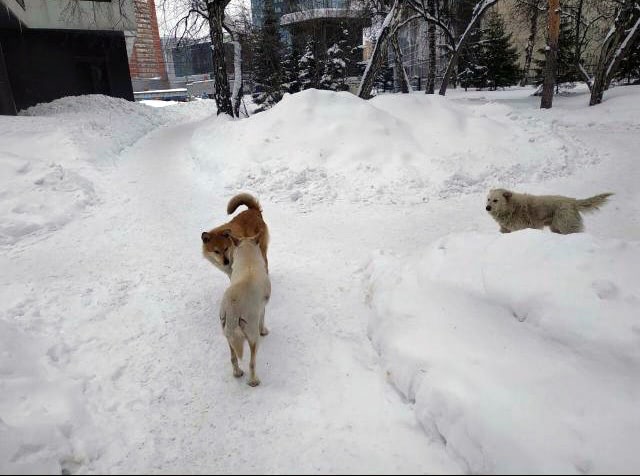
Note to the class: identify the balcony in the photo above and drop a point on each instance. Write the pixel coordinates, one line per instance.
(298, 11)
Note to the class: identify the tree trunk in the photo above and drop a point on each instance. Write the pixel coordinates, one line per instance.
(553, 14)
(481, 7)
(401, 74)
(236, 95)
(618, 43)
(221, 94)
(531, 42)
(377, 56)
(431, 44)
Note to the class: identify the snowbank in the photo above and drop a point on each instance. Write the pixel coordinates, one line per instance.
(318, 146)
(102, 126)
(520, 351)
(49, 157)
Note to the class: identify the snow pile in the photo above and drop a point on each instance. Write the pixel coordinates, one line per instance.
(49, 157)
(322, 146)
(520, 351)
(103, 126)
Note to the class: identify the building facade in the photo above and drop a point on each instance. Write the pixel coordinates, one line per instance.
(146, 61)
(55, 48)
(327, 22)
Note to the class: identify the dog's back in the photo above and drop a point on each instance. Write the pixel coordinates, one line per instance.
(243, 304)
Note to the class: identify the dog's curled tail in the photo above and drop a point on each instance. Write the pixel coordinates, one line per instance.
(243, 199)
(593, 203)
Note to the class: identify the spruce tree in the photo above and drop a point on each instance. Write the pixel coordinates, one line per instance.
(498, 55)
(630, 66)
(308, 67)
(335, 69)
(268, 74)
(291, 71)
(472, 70)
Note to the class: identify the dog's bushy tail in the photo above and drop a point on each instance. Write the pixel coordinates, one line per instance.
(243, 199)
(593, 203)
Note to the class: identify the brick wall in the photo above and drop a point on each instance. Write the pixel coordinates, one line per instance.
(146, 61)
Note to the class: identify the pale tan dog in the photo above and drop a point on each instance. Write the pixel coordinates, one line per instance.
(217, 246)
(243, 304)
(516, 211)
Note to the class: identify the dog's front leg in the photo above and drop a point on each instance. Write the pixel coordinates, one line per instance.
(504, 230)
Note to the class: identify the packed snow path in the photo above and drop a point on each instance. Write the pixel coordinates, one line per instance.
(137, 309)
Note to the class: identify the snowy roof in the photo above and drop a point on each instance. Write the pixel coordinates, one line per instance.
(318, 13)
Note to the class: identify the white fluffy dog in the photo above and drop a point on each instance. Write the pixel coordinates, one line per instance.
(516, 211)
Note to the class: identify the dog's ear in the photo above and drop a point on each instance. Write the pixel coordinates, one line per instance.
(507, 194)
(205, 237)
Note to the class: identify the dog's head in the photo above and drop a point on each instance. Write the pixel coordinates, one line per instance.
(217, 247)
(498, 201)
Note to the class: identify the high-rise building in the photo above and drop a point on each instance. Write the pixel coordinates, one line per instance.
(257, 11)
(326, 22)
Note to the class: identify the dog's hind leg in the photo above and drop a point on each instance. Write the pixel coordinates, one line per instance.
(254, 381)
(263, 330)
(566, 220)
(237, 371)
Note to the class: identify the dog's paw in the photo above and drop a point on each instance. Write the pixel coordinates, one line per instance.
(238, 373)
(254, 382)
(264, 332)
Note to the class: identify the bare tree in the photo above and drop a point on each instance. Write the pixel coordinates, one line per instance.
(391, 23)
(431, 44)
(616, 46)
(529, 11)
(401, 73)
(551, 51)
(239, 28)
(192, 16)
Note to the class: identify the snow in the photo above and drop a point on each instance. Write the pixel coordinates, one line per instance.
(464, 149)
(157, 102)
(407, 334)
(51, 156)
(491, 335)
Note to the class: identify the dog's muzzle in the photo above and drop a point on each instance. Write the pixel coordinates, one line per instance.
(488, 208)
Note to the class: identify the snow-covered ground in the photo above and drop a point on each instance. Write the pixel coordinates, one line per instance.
(407, 334)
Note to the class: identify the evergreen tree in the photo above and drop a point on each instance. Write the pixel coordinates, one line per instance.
(630, 66)
(566, 70)
(291, 72)
(497, 55)
(268, 74)
(335, 69)
(309, 67)
(472, 71)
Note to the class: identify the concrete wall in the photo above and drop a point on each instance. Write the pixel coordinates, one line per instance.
(74, 14)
